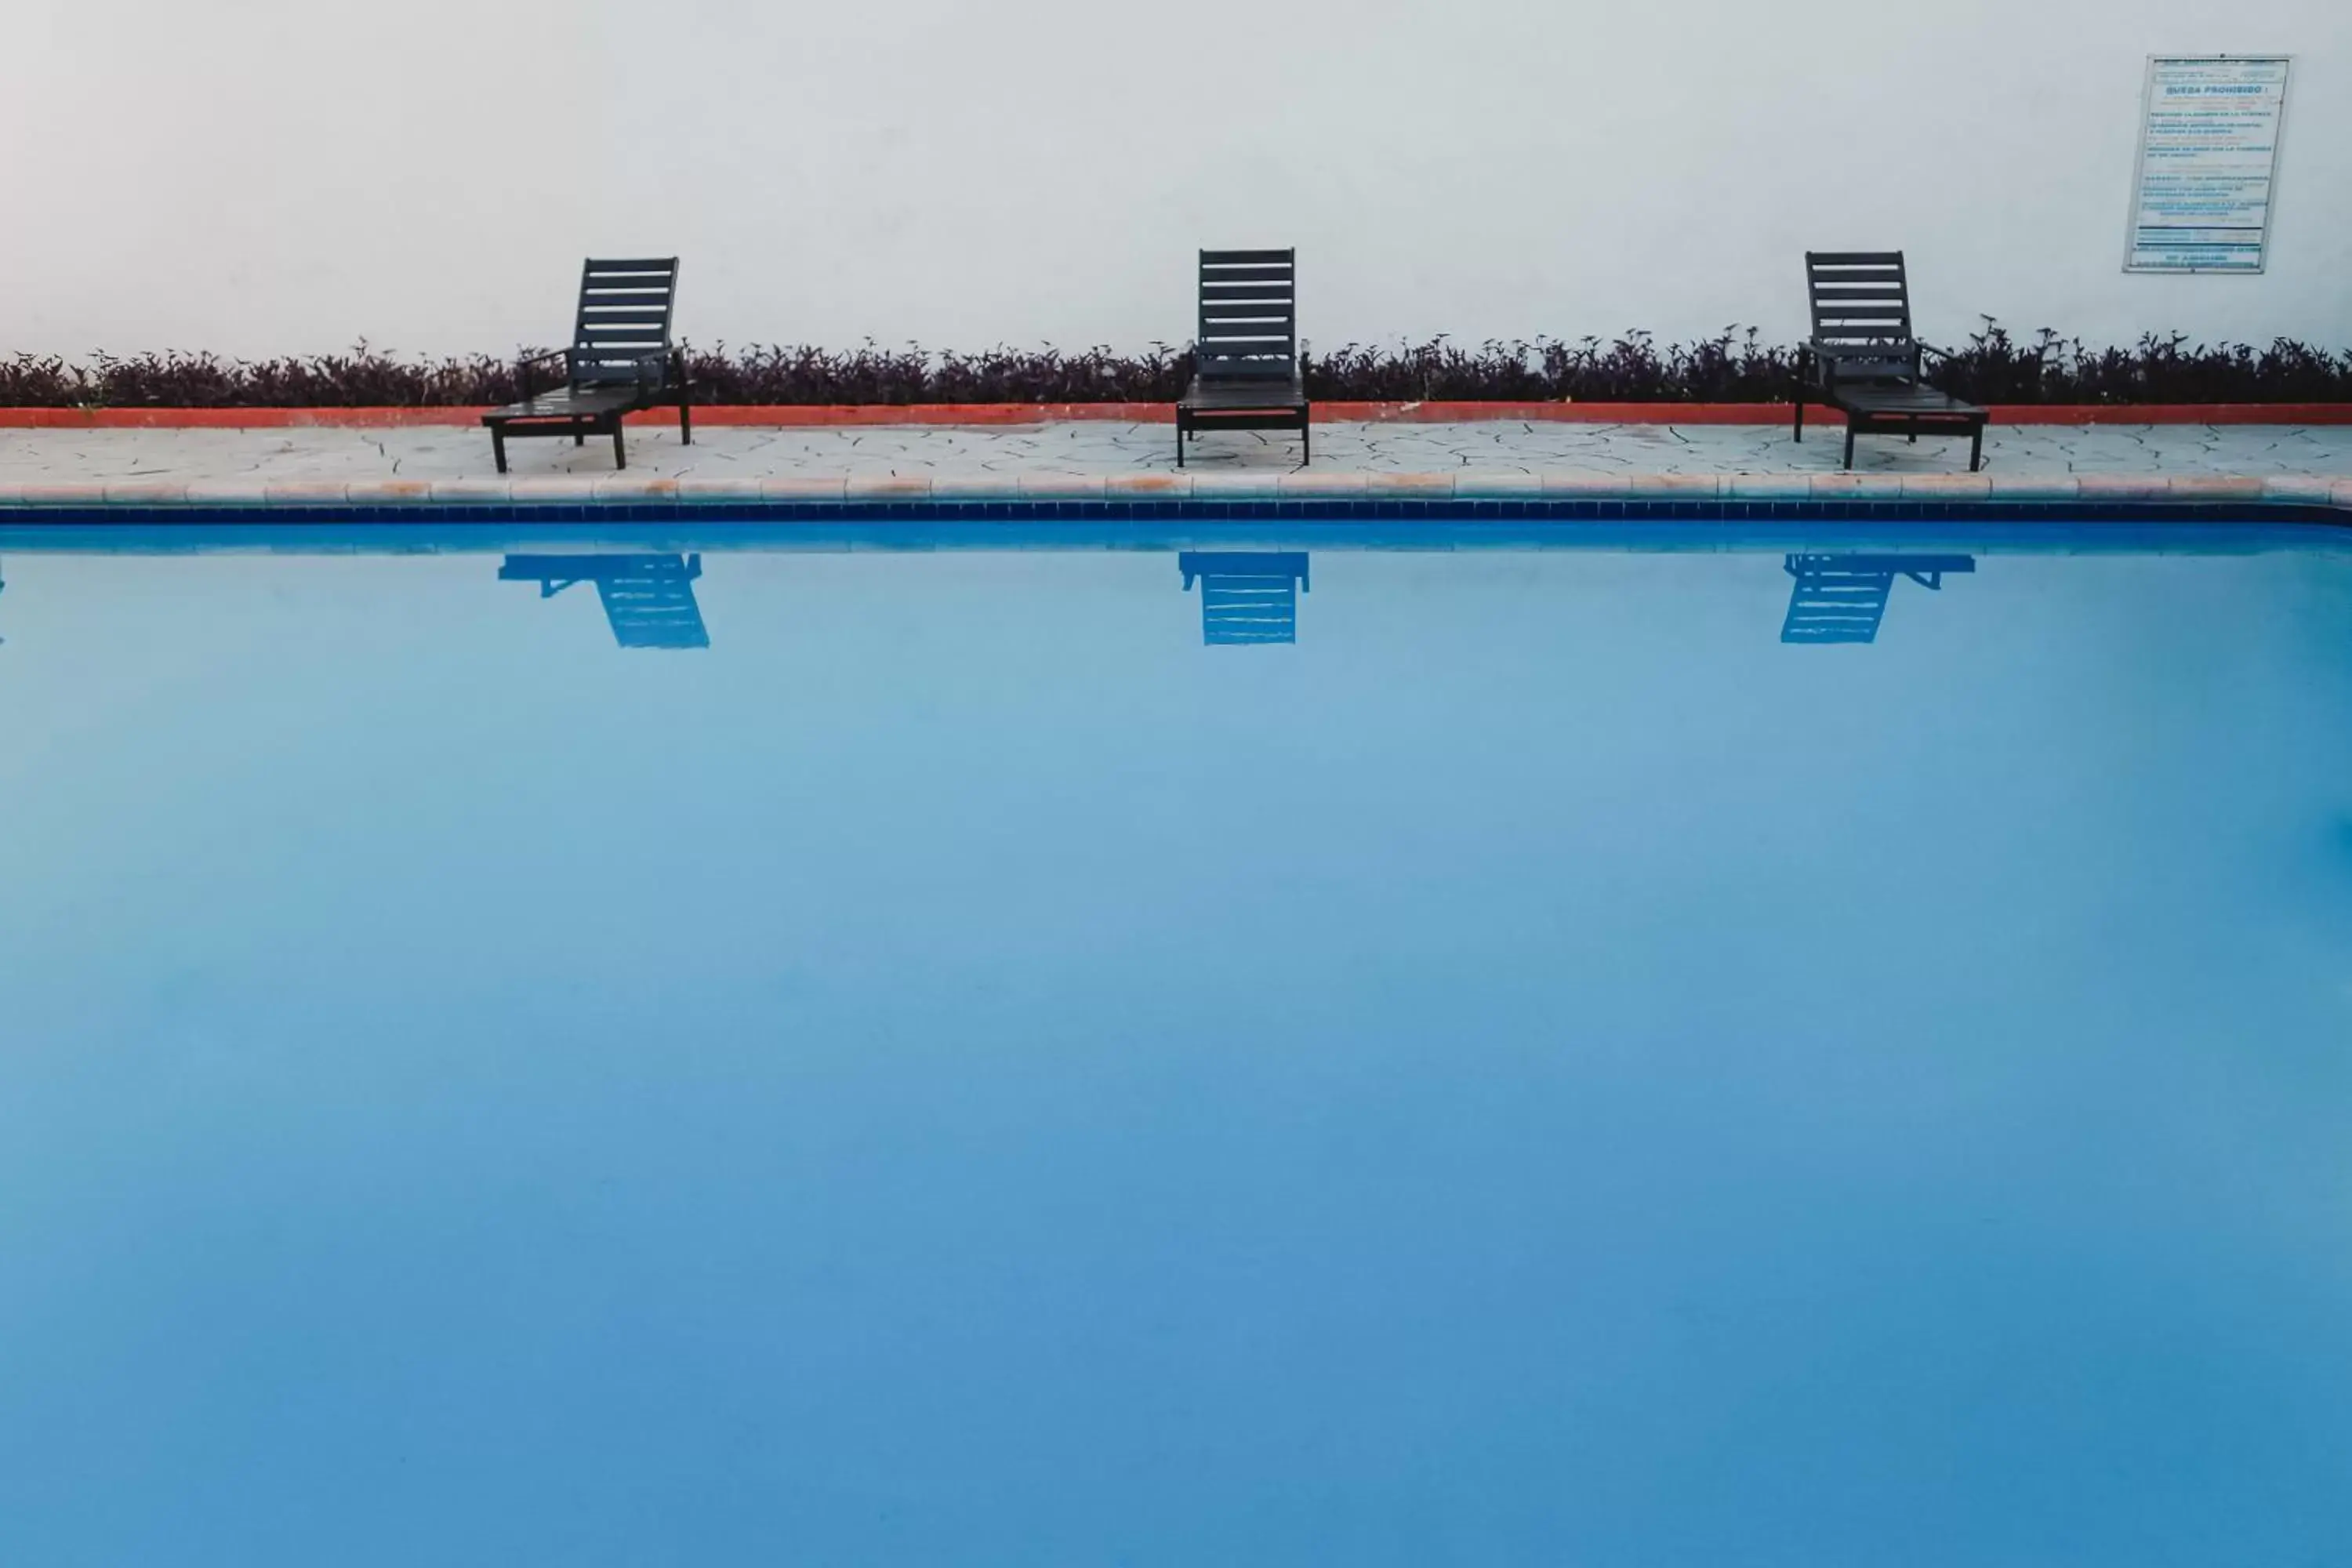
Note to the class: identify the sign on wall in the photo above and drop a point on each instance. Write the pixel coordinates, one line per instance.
(2208, 164)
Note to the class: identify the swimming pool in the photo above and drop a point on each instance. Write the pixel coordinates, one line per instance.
(1797, 1045)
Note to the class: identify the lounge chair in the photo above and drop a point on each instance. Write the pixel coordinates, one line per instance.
(648, 599)
(1863, 360)
(1843, 598)
(1247, 372)
(620, 361)
(1246, 596)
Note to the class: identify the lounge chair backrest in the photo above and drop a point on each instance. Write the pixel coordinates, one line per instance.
(1249, 315)
(1862, 300)
(624, 311)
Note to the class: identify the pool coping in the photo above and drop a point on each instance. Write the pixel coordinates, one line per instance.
(1118, 494)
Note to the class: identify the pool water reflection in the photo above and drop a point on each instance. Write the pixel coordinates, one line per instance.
(1843, 598)
(648, 599)
(1523, 1066)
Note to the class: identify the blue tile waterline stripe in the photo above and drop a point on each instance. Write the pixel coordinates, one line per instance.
(2040, 526)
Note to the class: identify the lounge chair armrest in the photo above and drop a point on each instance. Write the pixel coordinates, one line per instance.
(524, 365)
(1830, 353)
(652, 367)
(1932, 350)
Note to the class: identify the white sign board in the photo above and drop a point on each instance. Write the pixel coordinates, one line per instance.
(2208, 164)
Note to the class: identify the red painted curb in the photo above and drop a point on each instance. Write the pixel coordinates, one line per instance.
(996, 414)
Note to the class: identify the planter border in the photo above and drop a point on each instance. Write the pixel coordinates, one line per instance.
(790, 415)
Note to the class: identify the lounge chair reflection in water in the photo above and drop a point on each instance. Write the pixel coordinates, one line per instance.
(1843, 598)
(648, 599)
(1246, 596)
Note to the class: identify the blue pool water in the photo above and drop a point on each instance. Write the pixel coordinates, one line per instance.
(1837, 1052)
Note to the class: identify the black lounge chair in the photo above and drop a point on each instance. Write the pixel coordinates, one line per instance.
(648, 599)
(1246, 596)
(620, 361)
(1246, 371)
(1863, 360)
(1843, 598)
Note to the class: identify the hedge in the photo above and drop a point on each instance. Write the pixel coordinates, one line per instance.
(1733, 367)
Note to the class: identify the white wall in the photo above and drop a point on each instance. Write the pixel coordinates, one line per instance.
(268, 175)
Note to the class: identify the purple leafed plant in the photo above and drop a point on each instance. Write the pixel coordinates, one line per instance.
(1734, 366)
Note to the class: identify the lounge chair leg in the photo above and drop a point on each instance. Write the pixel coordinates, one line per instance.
(685, 423)
(1976, 449)
(1849, 443)
(580, 435)
(620, 454)
(1305, 444)
(1800, 418)
(1179, 443)
(499, 447)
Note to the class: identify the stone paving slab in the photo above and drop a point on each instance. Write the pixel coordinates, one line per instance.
(1102, 447)
(1095, 459)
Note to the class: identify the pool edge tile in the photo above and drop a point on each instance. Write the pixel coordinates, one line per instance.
(1236, 486)
(802, 488)
(1341, 486)
(1768, 487)
(390, 492)
(1947, 487)
(888, 488)
(1672, 487)
(2017, 487)
(307, 492)
(1409, 487)
(146, 492)
(469, 492)
(1061, 487)
(1498, 484)
(690, 488)
(1149, 487)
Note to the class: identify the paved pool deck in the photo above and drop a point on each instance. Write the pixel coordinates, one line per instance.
(1091, 458)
